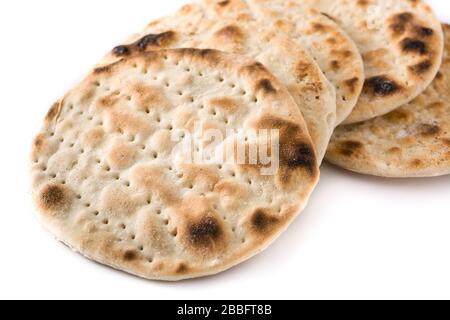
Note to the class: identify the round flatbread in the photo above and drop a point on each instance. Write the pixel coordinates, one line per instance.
(287, 60)
(401, 43)
(111, 180)
(333, 50)
(412, 141)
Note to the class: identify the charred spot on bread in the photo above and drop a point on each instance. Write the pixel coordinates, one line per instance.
(410, 45)
(429, 130)
(230, 31)
(53, 197)
(299, 155)
(362, 3)
(152, 39)
(159, 40)
(130, 255)
(202, 232)
(296, 153)
(400, 22)
(397, 116)
(382, 86)
(421, 67)
(121, 50)
(182, 268)
(351, 84)
(266, 86)
(210, 55)
(416, 163)
(424, 31)
(446, 141)
(223, 3)
(261, 221)
(349, 148)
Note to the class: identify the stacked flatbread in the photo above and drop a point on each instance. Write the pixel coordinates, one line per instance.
(154, 164)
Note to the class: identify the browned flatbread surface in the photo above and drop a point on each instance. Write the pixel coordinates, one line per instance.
(233, 28)
(412, 141)
(109, 181)
(333, 50)
(401, 42)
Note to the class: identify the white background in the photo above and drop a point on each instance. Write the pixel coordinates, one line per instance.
(360, 237)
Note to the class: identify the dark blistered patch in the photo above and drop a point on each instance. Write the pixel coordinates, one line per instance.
(404, 17)
(261, 221)
(394, 150)
(397, 115)
(52, 197)
(121, 51)
(410, 45)
(352, 84)
(382, 86)
(230, 31)
(301, 155)
(424, 32)
(331, 40)
(397, 29)
(362, 3)
(182, 268)
(400, 22)
(429, 130)
(254, 68)
(104, 69)
(421, 67)
(335, 65)
(298, 156)
(288, 130)
(202, 53)
(266, 86)
(341, 54)
(154, 40)
(223, 3)
(207, 229)
(446, 141)
(302, 70)
(318, 27)
(295, 153)
(349, 148)
(416, 163)
(130, 255)
(53, 112)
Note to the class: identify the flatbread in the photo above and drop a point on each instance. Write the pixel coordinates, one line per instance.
(197, 26)
(412, 141)
(401, 43)
(109, 180)
(335, 53)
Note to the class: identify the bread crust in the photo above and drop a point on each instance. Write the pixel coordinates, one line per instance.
(401, 42)
(233, 28)
(108, 182)
(412, 141)
(330, 46)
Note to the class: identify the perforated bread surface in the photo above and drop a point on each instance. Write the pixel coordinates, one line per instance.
(332, 49)
(401, 42)
(234, 29)
(412, 141)
(109, 181)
